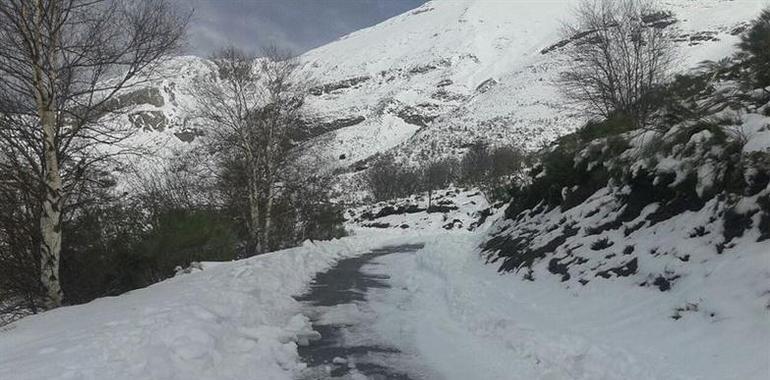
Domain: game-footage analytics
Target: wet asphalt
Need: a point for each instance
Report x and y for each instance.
(345, 283)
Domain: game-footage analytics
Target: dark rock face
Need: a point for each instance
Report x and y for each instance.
(658, 20)
(624, 270)
(149, 120)
(428, 67)
(145, 96)
(188, 135)
(698, 37)
(149, 95)
(414, 116)
(422, 69)
(486, 85)
(313, 129)
(447, 96)
(346, 83)
(421, 10)
(566, 41)
(740, 28)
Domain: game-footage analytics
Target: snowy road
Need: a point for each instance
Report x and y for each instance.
(436, 312)
(389, 314)
(440, 313)
(337, 302)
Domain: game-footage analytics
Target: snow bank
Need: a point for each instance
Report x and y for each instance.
(230, 321)
(467, 321)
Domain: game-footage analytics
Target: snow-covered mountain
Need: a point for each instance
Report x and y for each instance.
(439, 77)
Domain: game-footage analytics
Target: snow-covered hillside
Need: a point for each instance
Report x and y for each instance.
(450, 209)
(439, 77)
(677, 215)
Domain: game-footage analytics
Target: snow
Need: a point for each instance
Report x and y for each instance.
(228, 321)
(358, 143)
(448, 309)
(433, 60)
(462, 210)
(451, 315)
(467, 321)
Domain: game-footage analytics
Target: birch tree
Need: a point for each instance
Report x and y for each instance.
(62, 65)
(253, 109)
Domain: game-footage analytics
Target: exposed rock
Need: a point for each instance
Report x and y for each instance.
(740, 28)
(147, 95)
(486, 85)
(422, 69)
(447, 96)
(149, 120)
(624, 270)
(346, 83)
(413, 116)
(421, 10)
(188, 135)
(313, 129)
(566, 41)
(660, 19)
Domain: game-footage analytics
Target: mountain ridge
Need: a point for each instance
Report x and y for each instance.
(430, 82)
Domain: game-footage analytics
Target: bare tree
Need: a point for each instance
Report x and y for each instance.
(387, 179)
(63, 64)
(438, 174)
(621, 58)
(253, 107)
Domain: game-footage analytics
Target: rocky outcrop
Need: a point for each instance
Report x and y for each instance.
(486, 85)
(147, 95)
(312, 129)
(346, 83)
(417, 115)
(189, 135)
(149, 120)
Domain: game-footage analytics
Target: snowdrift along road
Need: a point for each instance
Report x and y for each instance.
(456, 316)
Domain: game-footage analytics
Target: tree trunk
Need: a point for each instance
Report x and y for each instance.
(50, 216)
(254, 213)
(53, 201)
(268, 217)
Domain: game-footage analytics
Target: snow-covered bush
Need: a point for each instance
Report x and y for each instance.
(597, 199)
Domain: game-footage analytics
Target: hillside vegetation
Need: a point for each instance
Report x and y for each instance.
(661, 204)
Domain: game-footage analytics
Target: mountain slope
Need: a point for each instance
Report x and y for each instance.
(433, 80)
(465, 70)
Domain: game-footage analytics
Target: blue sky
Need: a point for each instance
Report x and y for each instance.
(297, 25)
